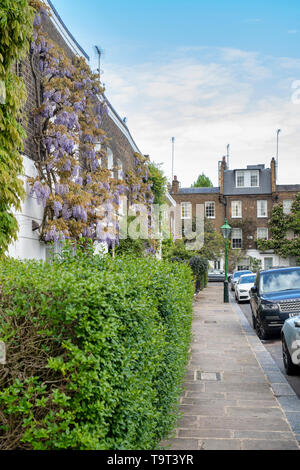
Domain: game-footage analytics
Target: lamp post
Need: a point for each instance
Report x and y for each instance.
(226, 229)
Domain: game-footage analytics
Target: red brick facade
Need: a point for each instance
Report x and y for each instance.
(250, 218)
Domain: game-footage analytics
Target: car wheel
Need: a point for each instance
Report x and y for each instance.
(260, 330)
(290, 367)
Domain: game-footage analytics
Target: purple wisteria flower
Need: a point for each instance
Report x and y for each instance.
(42, 193)
(79, 213)
(79, 180)
(89, 179)
(61, 189)
(57, 208)
(66, 212)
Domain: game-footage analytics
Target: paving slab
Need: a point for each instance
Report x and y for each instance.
(234, 397)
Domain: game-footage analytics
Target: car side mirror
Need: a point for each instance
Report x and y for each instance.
(297, 323)
(253, 290)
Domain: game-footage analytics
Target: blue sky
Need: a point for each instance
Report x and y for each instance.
(208, 72)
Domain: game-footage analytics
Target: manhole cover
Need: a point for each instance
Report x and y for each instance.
(213, 376)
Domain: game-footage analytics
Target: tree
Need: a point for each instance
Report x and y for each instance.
(159, 183)
(203, 181)
(255, 264)
(213, 247)
(16, 19)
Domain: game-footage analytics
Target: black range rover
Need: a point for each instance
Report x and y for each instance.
(274, 298)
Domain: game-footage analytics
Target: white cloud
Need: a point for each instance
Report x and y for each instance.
(208, 98)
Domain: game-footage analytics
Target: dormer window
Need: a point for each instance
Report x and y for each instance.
(240, 179)
(247, 179)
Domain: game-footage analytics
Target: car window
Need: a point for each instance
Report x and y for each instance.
(247, 280)
(238, 274)
(278, 281)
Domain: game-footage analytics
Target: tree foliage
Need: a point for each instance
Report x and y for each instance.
(16, 25)
(159, 183)
(203, 181)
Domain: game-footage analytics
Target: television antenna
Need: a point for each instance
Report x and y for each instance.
(99, 52)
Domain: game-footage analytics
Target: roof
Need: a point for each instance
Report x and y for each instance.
(265, 182)
(288, 187)
(199, 190)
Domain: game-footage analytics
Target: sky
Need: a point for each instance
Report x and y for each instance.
(209, 73)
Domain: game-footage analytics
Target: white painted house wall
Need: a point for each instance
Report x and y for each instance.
(28, 245)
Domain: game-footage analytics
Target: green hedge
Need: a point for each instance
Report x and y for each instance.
(96, 351)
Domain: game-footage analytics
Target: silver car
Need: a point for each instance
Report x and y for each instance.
(235, 277)
(290, 337)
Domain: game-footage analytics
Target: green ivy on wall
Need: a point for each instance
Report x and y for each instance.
(285, 230)
(16, 24)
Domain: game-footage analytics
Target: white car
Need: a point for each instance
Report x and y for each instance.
(243, 286)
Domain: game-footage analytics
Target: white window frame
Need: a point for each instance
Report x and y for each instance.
(237, 204)
(110, 161)
(235, 237)
(287, 208)
(254, 173)
(240, 174)
(247, 178)
(186, 210)
(207, 205)
(120, 170)
(262, 237)
(260, 213)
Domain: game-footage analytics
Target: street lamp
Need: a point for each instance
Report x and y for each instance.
(226, 229)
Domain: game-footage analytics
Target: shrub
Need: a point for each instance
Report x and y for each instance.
(96, 352)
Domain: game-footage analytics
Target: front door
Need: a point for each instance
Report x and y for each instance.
(268, 263)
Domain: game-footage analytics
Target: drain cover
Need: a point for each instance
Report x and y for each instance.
(209, 322)
(213, 376)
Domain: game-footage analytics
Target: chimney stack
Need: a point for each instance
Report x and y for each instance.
(222, 169)
(175, 185)
(273, 175)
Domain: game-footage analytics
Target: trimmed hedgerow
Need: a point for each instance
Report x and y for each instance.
(96, 352)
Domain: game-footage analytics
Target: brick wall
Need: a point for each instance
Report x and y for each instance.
(118, 144)
(249, 211)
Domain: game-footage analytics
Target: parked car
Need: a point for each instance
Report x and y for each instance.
(274, 298)
(290, 338)
(235, 277)
(216, 276)
(243, 286)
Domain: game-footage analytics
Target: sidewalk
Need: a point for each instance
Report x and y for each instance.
(228, 402)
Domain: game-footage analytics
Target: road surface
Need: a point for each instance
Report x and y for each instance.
(274, 347)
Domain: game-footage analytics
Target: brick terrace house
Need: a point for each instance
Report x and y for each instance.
(120, 152)
(246, 197)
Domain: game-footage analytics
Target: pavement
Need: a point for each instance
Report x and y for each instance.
(235, 397)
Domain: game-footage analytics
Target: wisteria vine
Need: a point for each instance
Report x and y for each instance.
(76, 189)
